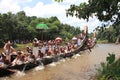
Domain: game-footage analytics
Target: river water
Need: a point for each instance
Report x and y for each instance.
(79, 67)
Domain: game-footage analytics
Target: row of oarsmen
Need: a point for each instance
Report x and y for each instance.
(20, 57)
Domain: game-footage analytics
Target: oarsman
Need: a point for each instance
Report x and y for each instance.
(9, 50)
(7, 47)
(20, 59)
(79, 41)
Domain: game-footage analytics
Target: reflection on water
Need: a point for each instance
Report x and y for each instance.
(79, 67)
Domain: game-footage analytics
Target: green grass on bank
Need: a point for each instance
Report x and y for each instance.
(19, 47)
(22, 46)
(102, 41)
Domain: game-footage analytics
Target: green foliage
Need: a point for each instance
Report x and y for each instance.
(21, 27)
(109, 70)
(105, 11)
(59, 0)
(14, 45)
(110, 34)
(1, 43)
(66, 39)
(111, 58)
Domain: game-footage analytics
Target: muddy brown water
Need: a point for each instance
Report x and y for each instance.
(79, 67)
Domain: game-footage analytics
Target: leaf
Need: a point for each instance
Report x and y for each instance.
(111, 58)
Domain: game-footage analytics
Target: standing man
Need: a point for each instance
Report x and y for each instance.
(35, 47)
(86, 31)
(87, 40)
(94, 39)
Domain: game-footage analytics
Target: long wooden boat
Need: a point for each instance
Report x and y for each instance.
(5, 72)
(22, 67)
(44, 61)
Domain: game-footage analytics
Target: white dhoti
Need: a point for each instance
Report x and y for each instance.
(35, 51)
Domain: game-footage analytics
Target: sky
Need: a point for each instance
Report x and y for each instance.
(48, 8)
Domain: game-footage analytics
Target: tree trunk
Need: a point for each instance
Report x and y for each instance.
(117, 41)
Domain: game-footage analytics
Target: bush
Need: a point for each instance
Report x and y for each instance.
(14, 45)
(109, 70)
(1, 43)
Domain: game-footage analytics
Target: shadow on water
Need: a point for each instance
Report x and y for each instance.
(79, 67)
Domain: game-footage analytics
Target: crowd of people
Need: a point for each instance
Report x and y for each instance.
(40, 49)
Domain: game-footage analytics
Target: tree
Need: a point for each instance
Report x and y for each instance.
(104, 10)
(21, 27)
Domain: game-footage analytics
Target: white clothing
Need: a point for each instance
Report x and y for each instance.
(36, 51)
(79, 42)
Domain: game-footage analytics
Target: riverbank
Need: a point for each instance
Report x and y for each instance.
(77, 68)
